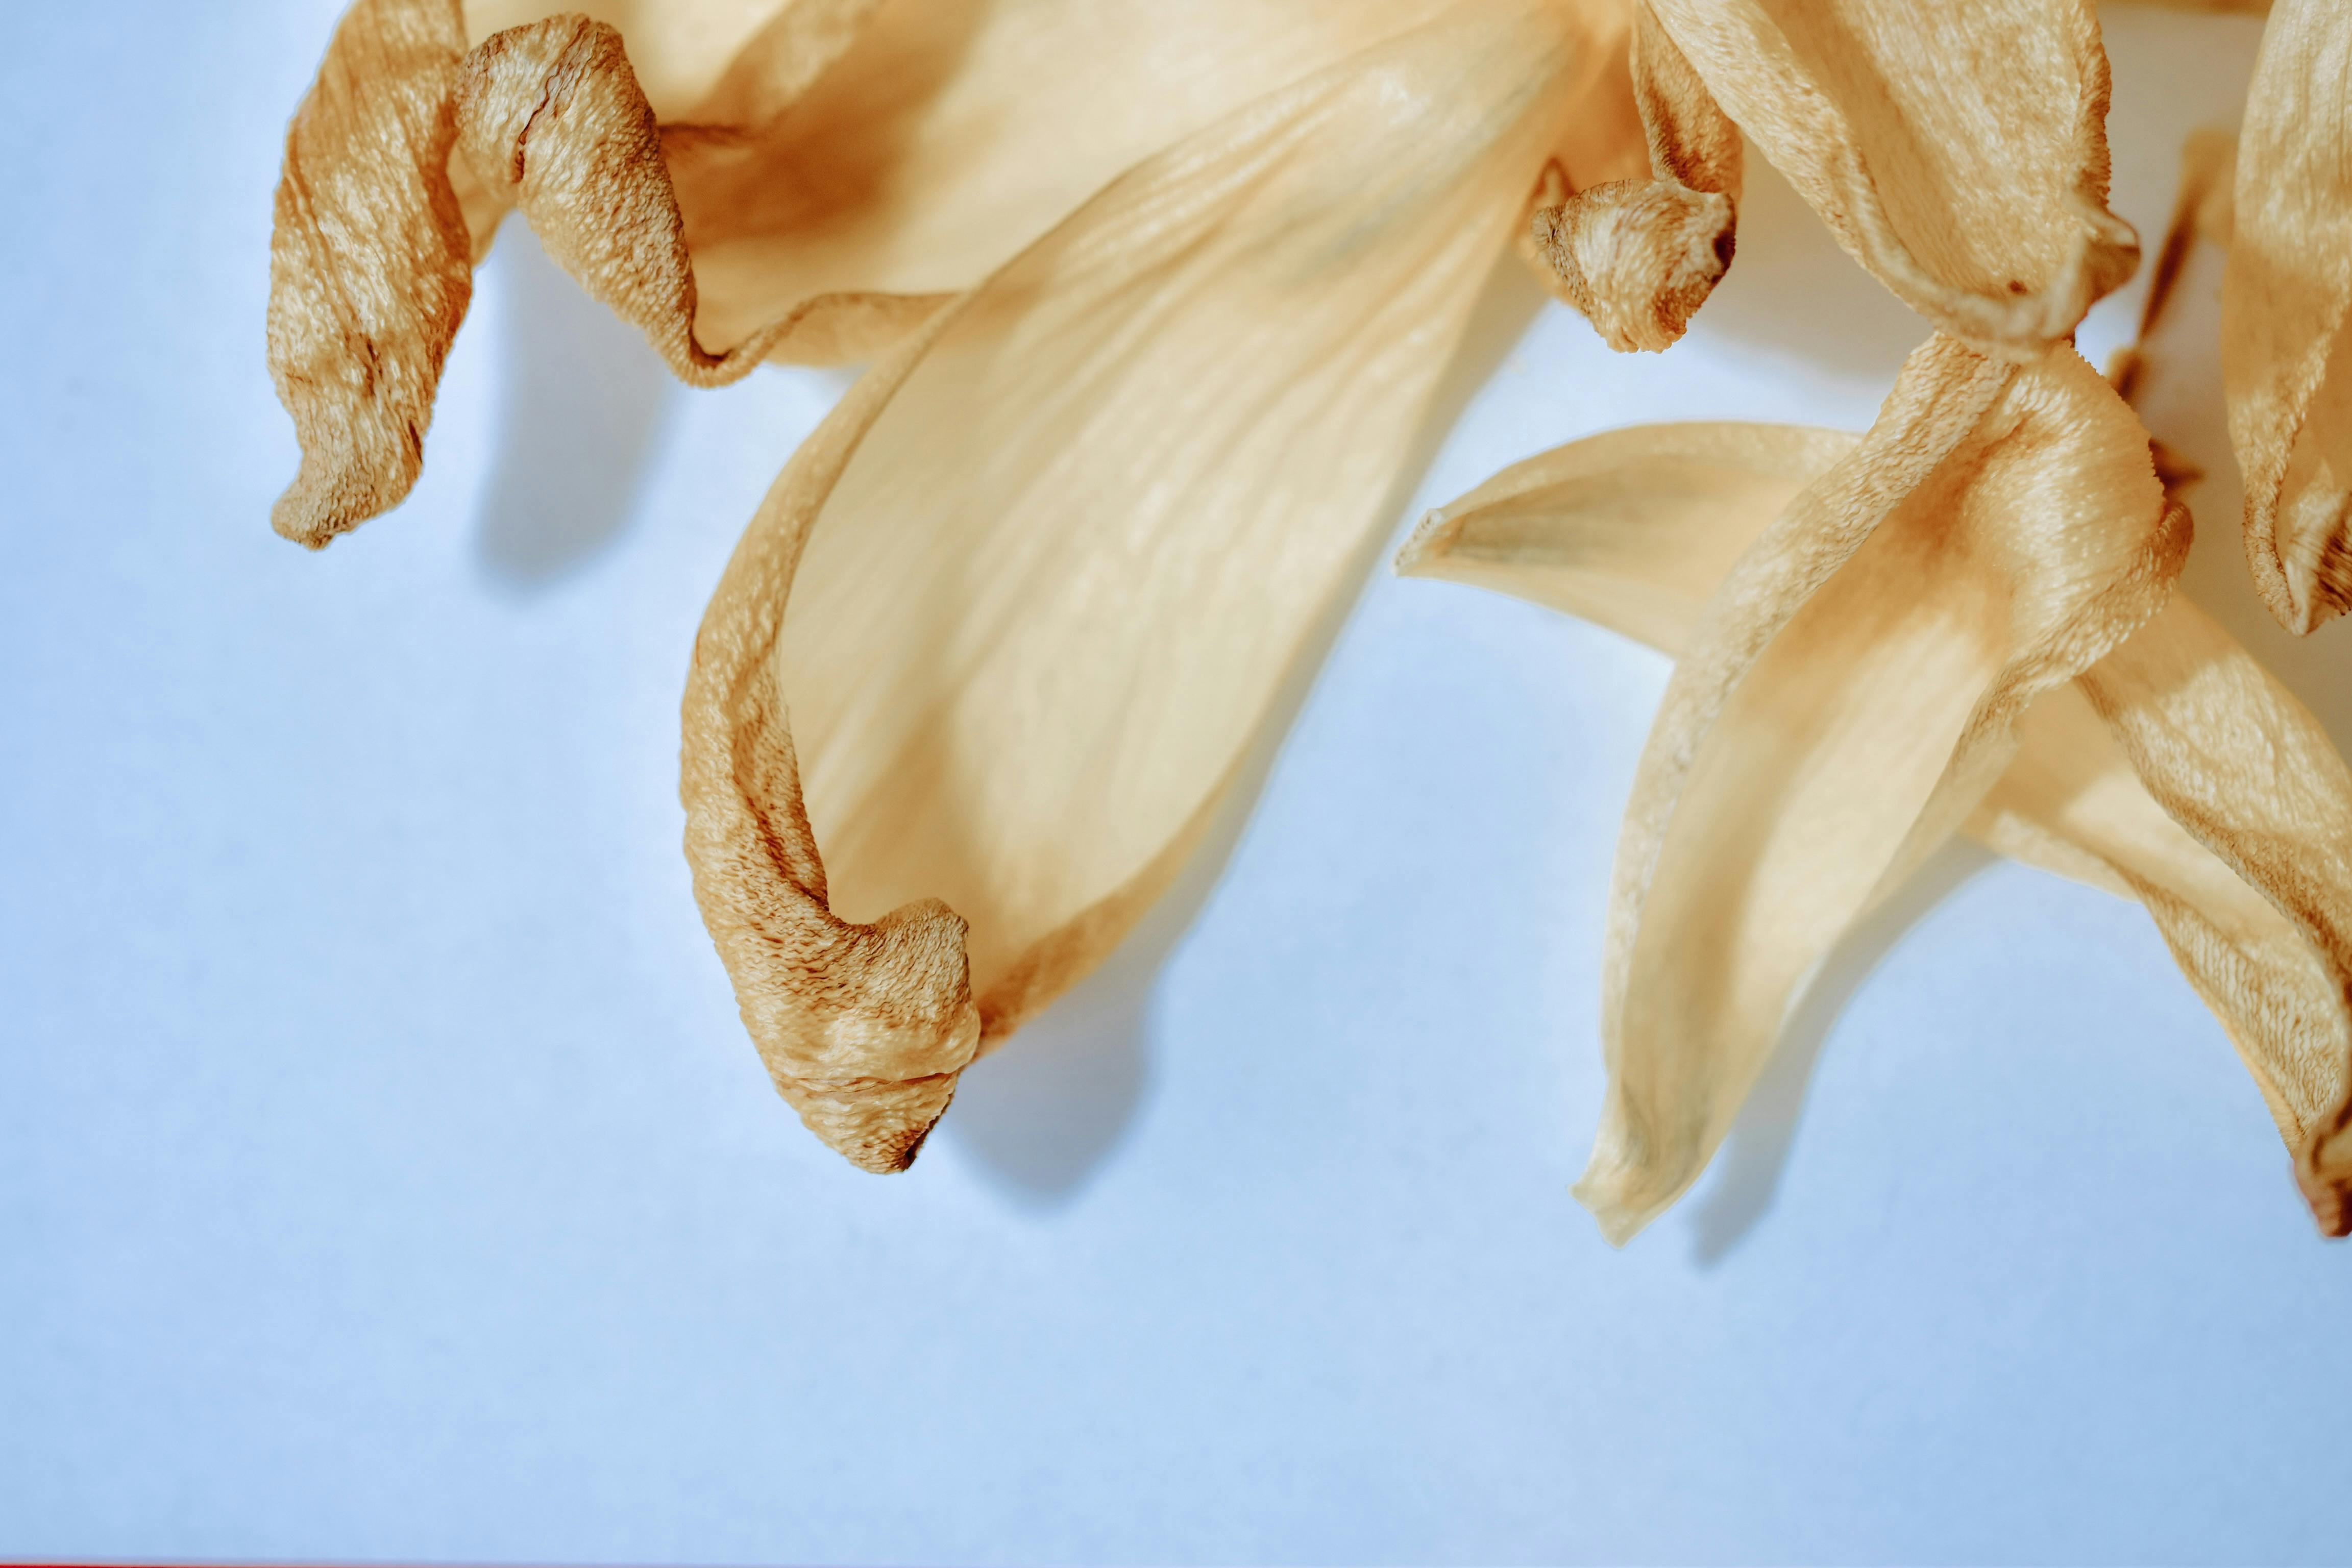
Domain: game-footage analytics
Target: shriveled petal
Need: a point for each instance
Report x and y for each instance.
(370, 265)
(1049, 566)
(1849, 700)
(551, 119)
(2286, 357)
(1956, 148)
(1634, 529)
(1639, 256)
(398, 165)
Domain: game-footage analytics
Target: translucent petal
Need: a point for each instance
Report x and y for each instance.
(1049, 565)
(1635, 529)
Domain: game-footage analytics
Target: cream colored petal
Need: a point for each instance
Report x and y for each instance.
(2251, 774)
(1638, 256)
(955, 132)
(1050, 567)
(1850, 697)
(1635, 529)
(369, 268)
(1956, 148)
(2286, 357)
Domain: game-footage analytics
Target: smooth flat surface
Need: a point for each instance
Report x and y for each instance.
(383, 1172)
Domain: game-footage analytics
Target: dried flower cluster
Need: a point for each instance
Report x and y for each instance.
(1153, 297)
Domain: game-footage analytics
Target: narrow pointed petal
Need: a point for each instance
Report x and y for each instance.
(370, 262)
(1635, 529)
(1639, 256)
(1956, 148)
(1850, 700)
(2286, 356)
(1049, 567)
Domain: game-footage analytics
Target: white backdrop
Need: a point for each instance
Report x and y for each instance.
(383, 1172)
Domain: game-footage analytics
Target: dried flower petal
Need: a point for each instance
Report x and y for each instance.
(1850, 698)
(369, 264)
(2284, 299)
(1639, 256)
(1956, 148)
(1049, 564)
(1635, 529)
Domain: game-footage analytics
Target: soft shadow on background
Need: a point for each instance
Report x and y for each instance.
(1047, 1110)
(1749, 1167)
(582, 405)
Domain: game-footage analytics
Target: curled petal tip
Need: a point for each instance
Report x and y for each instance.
(875, 1125)
(1638, 257)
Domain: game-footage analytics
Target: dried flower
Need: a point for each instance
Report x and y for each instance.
(1155, 297)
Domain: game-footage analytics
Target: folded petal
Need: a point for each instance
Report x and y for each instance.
(1049, 566)
(1850, 697)
(1634, 529)
(370, 262)
(1638, 256)
(2239, 763)
(2285, 294)
(1956, 148)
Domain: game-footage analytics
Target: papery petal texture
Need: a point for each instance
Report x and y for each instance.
(2286, 295)
(1005, 628)
(2228, 820)
(1956, 148)
(1849, 697)
(370, 262)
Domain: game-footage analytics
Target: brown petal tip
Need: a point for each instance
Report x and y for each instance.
(875, 1125)
(1638, 257)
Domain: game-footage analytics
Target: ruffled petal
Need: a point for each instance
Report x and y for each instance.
(2286, 357)
(370, 262)
(1956, 148)
(1635, 529)
(1638, 256)
(1049, 565)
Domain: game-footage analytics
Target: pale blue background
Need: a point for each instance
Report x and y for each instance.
(383, 1172)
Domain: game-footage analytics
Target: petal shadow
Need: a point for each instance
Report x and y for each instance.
(1754, 1156)
(584, 401)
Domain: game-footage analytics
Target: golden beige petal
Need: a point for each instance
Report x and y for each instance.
(1639, 256)
(1849, 698)
(2285, 299)
(951, 135)
(551, 119)
(1635, 529)
(1956, 148)
(1051, 566)
(2240, 764)
(369, 262)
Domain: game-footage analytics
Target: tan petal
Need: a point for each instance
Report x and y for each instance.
(1636, 528)
(2239, 763)
(2285, 299)
(1956, 148)
(1638, 256)
(369, 262)
(550, 119)
(1849, 699)
(1049, 567)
